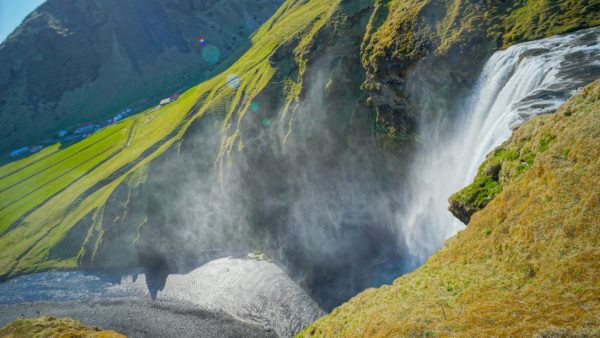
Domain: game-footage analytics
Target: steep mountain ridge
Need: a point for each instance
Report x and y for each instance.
(78, 181)
(77, 61)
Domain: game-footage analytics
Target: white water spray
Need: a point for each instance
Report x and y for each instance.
(515, 84)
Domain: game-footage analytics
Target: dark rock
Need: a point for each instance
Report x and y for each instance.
(461, 211)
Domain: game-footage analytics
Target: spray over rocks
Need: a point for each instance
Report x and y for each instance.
(312, 189)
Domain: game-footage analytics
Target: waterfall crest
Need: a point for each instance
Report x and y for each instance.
(515, 84)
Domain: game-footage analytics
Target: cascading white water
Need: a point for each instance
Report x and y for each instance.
(515, 84)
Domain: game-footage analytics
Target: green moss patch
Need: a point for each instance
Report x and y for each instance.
(505, 164)
(48, 326)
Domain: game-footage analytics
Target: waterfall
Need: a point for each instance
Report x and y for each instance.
(515, 84)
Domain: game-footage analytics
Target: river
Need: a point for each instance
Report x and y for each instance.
(245, 297)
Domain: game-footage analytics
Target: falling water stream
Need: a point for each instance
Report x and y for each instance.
(515, 84)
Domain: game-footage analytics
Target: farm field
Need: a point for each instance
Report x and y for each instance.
(41, 195)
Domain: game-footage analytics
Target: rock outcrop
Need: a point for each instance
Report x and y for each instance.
(417, 47)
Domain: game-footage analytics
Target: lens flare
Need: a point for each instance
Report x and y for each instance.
(254, 106)
(266, 122)
(202, 41)
(211, 54)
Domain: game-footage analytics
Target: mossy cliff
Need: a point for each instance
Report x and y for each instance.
(527, 263)
(53, 327)
(79, 219)
(422, 54)
(318, 127)
(386, 53)
(501, 167)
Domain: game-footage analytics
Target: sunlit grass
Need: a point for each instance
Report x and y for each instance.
(49, 192)
(412, 29)
(48, 326)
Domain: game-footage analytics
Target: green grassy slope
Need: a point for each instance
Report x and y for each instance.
(44, 196)
(40, 201)
(527, 264)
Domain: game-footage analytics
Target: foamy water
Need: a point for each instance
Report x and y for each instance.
(517, 83)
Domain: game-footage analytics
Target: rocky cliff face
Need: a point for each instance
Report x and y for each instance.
(415, 48)
(315, 152)
(75, 61)
(322, 148)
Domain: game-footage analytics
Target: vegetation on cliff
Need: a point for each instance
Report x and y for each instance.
(60, 193)
(67, 207)
(53, 327)
(453, 38)
(502, 166)
(528, 262)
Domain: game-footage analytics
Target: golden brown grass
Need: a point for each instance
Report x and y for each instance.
(527, 264)
(48, 326)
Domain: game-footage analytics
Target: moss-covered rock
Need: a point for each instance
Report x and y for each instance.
(453, 38)
(48, 326)
(529, 261)
(501, 166)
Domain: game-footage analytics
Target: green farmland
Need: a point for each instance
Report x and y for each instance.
(45, 195)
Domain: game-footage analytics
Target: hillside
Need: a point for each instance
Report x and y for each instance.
(80, 61)
(527, 263)
(48, 194)
(316, 114)
(51, 327)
